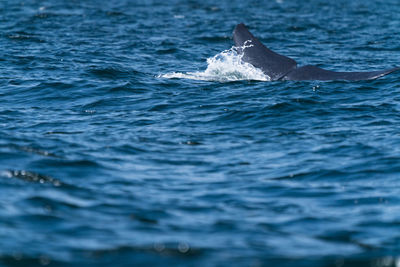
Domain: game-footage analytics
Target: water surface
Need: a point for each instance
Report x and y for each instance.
(121, 145)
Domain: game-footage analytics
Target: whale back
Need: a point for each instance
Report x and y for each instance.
(315, 73)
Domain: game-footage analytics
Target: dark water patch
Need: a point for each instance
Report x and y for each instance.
(379, 123)
(129, 88)
(191, 143)
(67, 163)
(24, 36)
(103, 103)
(62, 132)
(166, 51)
(33, 177)
(116, 14)
(363, 201)
(146, 220)
(91, 259)
(113, 72)
(51, 205)
(37, 151)
(23, 60)
(41, 218)
(19, 260)
(164, 250)
(129, 149)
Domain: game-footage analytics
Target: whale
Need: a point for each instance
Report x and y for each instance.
(281, 68)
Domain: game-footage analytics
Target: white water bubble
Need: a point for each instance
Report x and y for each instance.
(183, 247)
(226, 66)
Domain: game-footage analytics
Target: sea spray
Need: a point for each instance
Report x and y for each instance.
(226, 66)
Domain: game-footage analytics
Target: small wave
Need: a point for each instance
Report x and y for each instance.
(226, 66)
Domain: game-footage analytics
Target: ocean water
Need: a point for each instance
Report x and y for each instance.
(132, 134)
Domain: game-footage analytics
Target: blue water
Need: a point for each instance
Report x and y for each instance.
(121, 145)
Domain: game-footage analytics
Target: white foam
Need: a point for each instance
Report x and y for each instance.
(226, 66)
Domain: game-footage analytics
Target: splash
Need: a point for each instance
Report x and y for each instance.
(226, 66)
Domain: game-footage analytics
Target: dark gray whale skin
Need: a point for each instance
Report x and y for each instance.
(279, 67)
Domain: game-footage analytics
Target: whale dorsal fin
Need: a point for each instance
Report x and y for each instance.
(254, 52)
